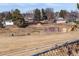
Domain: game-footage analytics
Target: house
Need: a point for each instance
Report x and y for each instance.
(77, 19)
(29, 17)
(7, 23)
(60, 20)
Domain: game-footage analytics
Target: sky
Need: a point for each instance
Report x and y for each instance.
(25, 7)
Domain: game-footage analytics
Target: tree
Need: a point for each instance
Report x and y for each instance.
(21, 23)
(2, 15)
(37, 15)
(77, 5)
(18, 18)
(43, 16)
(8, 16)
(1, 24)
(63, 13)
(16, 14)
(49, 13)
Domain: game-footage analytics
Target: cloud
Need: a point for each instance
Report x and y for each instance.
(32, 3)
(12, 4)
(29, 4)
(25, 4)
(4, 4)
(53, 4)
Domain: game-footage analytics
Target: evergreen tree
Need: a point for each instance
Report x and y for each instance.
(18, 18)
(37, 15)
(16, 15)
(43, 16)
(77, 5)
(63, 13)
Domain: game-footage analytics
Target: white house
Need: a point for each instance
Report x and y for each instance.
(77, 19)
(7, 23)
(60, 20)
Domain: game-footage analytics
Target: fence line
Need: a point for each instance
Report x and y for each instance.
(57, 47)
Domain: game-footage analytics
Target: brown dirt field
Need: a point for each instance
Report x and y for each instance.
(30, 44)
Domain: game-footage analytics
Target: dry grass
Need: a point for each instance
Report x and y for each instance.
(23, 44)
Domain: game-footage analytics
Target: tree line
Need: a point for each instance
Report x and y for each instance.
(39, 15)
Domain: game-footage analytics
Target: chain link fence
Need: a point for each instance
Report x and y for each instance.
(67, 49)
